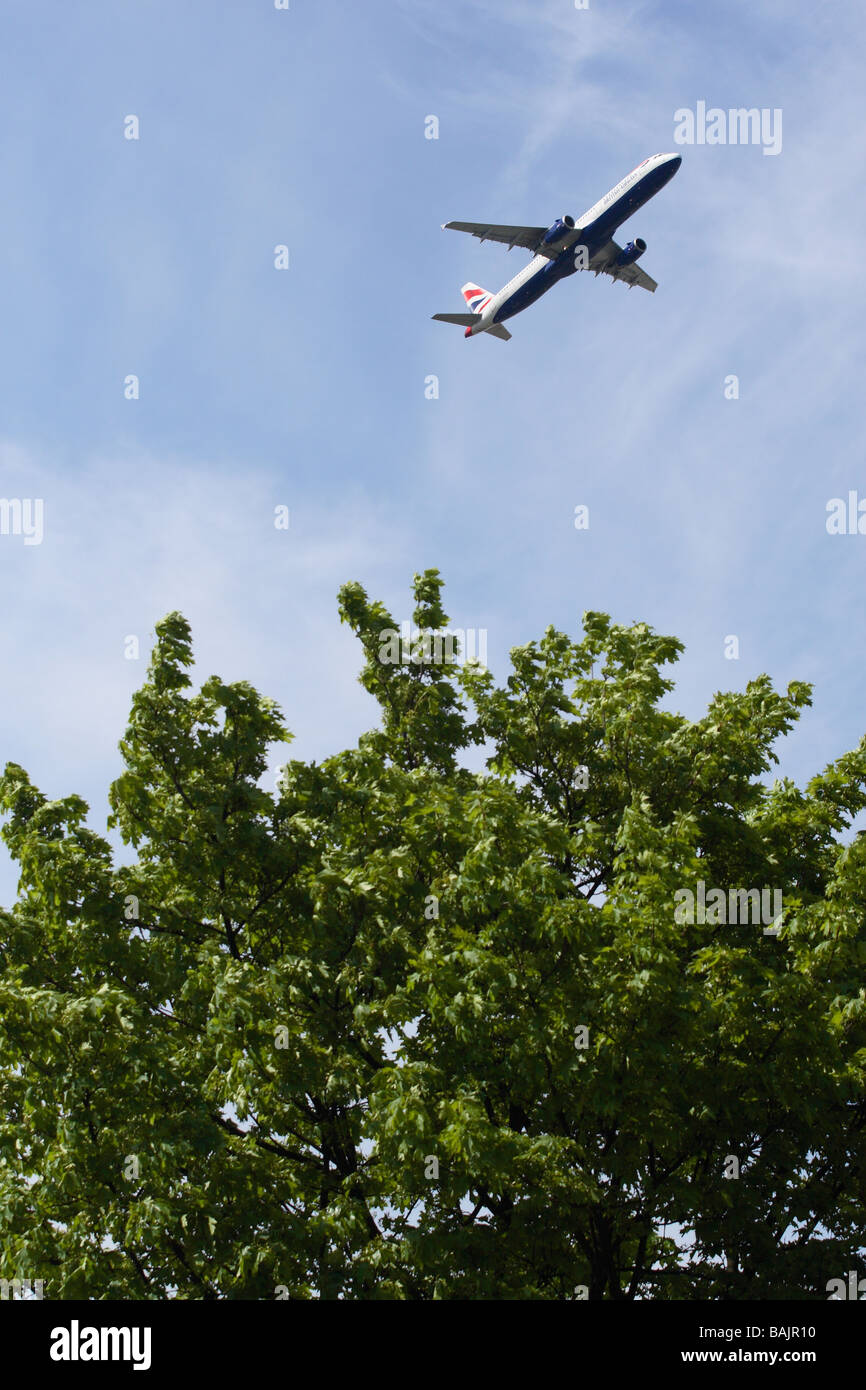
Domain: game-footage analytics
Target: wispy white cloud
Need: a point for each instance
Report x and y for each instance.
(131, 538)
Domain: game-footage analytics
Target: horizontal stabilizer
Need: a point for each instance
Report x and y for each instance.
(499, 331)
(465, 320)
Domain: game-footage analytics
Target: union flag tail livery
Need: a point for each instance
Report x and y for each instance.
(569, 245)
(476, 298)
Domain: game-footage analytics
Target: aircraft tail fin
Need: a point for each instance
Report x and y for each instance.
(476, 298)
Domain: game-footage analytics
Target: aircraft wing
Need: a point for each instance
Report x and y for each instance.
(604, 263)
(528, 237)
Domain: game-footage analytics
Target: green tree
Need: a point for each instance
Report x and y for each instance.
(406, 1031)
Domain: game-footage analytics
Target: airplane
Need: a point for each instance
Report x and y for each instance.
(561, 249)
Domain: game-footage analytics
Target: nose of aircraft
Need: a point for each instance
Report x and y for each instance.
(675, 160)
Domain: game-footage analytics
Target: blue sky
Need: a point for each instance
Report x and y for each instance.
(306, 387)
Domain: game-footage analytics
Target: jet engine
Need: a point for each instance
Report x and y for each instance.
(629, 254)
(559, 231)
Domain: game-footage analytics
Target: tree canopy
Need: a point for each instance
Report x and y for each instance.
(403, 1030)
